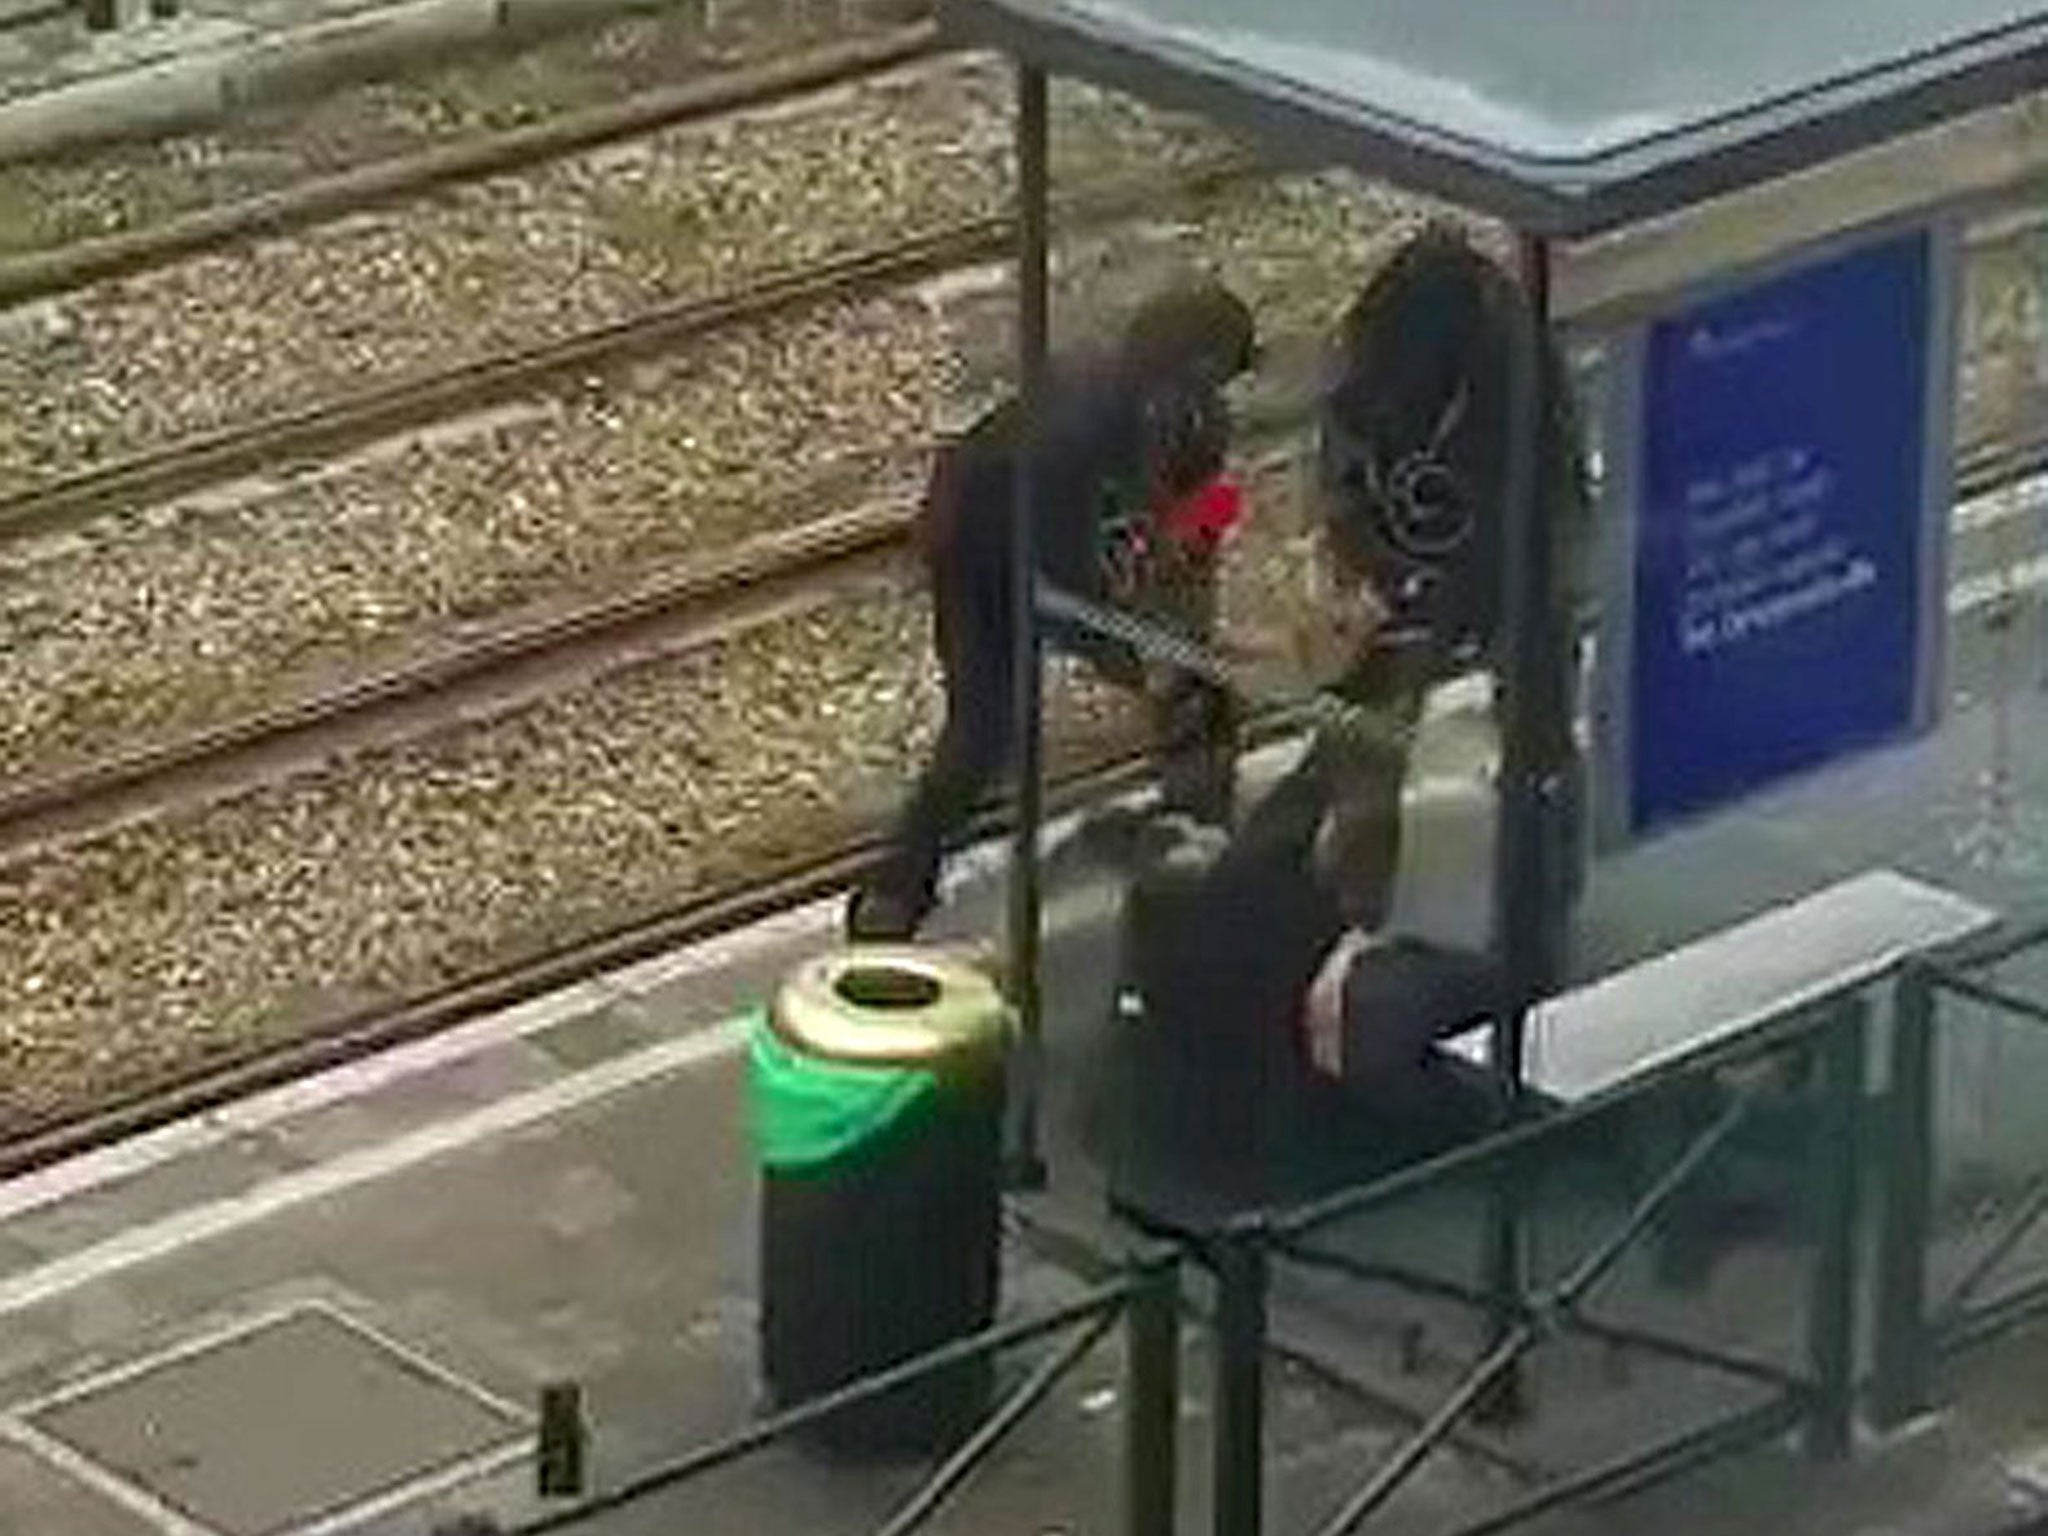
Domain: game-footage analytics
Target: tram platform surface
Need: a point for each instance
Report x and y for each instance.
(564, 1192)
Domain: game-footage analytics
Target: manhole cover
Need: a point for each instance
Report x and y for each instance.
(281, 1425)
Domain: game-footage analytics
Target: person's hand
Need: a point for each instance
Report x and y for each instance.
(1338, 618)
(1334, 618)
(1124, 562)
(1318, 639)
(1323, 1009)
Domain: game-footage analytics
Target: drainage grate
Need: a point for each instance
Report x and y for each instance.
(302, 1422)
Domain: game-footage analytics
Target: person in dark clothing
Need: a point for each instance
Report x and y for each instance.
(1125, 446)
(1287, 969)
(1414, 436)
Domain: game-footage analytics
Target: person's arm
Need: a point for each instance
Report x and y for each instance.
(1358, 847)
(1322, 626)
(1357, 850)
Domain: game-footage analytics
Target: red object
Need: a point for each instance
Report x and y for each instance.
(1209, 513)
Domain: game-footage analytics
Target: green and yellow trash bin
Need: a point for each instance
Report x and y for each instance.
(877, 1080)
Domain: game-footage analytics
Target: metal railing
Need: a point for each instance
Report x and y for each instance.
(1828, 1035)
(1916, 1328)
(1145, 1298)
(1817, 1392)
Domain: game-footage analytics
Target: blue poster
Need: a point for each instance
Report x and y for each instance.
(1779, 529)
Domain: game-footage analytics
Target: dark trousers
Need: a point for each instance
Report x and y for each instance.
(1221, 956)
(1195, 727)
(1400, 998)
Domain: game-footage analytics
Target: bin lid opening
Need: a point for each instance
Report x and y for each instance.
(883, 986)
(890, 1006)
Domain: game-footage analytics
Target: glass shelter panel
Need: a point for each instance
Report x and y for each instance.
(1891, 725)
(1569, 116)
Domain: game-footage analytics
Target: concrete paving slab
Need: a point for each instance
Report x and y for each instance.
(294, 1419)
(410, 1104)
(612, 1031)
(212, 1173)
(39, 1499)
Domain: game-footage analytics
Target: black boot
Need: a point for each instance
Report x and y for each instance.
(885, 910)
(1201, 785)
(1198, 731)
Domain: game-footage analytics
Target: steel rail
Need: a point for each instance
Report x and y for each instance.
(366, 1031)
(47, 274)
(678, 608)
(156, 475)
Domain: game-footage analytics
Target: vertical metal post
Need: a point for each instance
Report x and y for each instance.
(1836, 1160)
(1027, 1168)
(1152, 1403)
(1902, 1365)
(1528, 922)
(559, 1464)
(1528, 917)
(1240, 1391)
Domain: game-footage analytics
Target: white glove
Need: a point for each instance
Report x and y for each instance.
(1323, 1009)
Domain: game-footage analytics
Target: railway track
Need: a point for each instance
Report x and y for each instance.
(378, 1028)
(508, 659)
(514, 663)
(690, 609)
(44, 274)
(331, 427)
(40, 15)
(154, 476)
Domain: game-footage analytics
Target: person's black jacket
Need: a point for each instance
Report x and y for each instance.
(1092, 480)
(1118, 430)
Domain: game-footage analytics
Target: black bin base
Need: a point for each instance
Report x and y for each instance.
(887, 1254)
